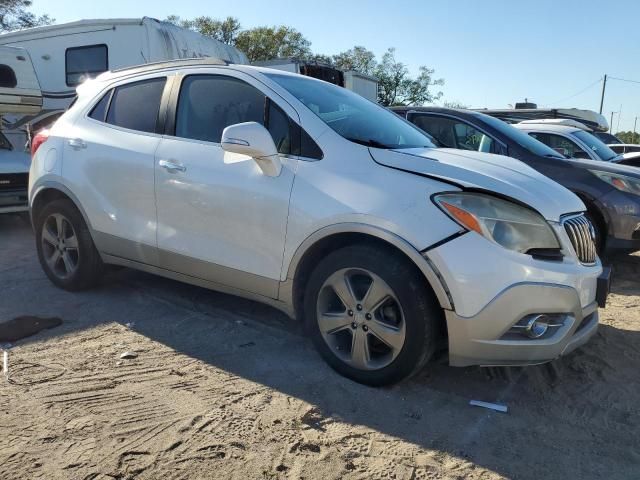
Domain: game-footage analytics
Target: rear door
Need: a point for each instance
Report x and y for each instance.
(109, 163)
(219, 217)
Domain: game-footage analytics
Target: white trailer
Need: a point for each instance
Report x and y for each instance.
(64, 55)
(19, 87)
(359, 83)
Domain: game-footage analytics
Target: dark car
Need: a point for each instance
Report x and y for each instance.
(610, 192)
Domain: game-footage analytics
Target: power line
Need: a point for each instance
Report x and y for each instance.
(624, 80)
(576, 94)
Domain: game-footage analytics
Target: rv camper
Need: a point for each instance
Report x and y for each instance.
(19, 87)
(593, 120)
(359, 83)
(64, 55)
(19, 94)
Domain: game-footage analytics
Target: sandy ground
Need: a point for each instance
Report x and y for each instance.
(226, 388)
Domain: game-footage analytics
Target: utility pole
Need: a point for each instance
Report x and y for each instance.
(634, 130)
(604, 85)
(611, 123)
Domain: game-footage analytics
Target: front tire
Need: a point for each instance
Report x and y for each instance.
(65, 248)
(371, 314)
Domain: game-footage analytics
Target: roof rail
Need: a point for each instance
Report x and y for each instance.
(183, 62)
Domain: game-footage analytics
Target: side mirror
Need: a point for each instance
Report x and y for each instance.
(252, 139)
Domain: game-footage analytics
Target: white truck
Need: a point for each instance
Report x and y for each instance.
(364, 85)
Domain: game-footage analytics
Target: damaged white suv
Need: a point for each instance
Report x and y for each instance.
(301, 194)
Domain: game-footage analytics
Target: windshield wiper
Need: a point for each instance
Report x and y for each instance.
(368, 143)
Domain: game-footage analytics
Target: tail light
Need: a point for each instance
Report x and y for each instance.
(38, 140)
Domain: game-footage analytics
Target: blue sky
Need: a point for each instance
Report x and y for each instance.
(490, 53)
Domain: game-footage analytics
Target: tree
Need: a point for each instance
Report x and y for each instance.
(396, 87)
(14, 16)
(454, 104)
(225, 30)
(628, 137)
(357, 58)
(265, 43)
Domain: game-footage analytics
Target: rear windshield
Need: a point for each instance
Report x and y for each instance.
(525, 141)
(352, 116)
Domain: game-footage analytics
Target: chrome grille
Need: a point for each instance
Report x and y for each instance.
(582, 236)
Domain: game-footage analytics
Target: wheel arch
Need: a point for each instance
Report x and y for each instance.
(337, 236)
(598, 213)
(47, 192)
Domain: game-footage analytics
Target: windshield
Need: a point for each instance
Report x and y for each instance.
(352, 116)
(607, 137)
(525, 141)
(600, 149)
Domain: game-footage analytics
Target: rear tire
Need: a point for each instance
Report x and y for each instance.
(371, 314)
(65, 248)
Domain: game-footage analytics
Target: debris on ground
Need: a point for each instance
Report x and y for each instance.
(491, 406)
(25, 326)
(128, 355)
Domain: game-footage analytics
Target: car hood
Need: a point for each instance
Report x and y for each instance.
(14, 162)
(484, 171)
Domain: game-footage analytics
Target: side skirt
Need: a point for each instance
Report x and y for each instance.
(200, 282)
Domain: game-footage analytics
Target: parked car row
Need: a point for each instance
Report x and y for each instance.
(610, 191)
(389, 241)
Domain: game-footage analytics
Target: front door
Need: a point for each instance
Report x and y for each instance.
(219, 217)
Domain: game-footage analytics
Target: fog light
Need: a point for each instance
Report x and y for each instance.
(537, 326)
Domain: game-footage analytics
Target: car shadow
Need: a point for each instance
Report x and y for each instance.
(576, 417)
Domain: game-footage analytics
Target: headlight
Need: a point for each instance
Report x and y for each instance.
(513, 226)
(621, 182)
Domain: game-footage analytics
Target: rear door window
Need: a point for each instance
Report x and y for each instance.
(560, 144)
(85, 62)
(453, 133)
(136, 105)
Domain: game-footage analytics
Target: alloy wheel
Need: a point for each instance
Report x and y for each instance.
(360, 319)
(60, 245)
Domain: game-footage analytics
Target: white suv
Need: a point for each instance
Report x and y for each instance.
(301, 194)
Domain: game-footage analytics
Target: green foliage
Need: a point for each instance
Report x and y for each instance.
(14, 16)
(454, 104)
(628, 137)
(265, 43)
(396, 85)
(357, 58)
(225, 30)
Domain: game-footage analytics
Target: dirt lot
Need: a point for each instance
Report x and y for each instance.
(226, 388)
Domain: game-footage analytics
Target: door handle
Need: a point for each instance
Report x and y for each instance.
(77, 143)
(171, 166)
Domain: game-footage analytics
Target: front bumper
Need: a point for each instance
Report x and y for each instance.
(12, 201)
(494, 290)
(485, 338)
